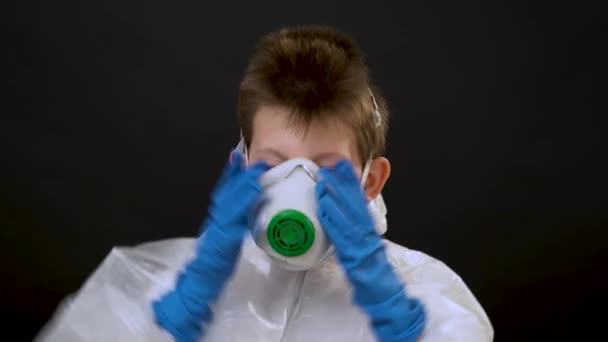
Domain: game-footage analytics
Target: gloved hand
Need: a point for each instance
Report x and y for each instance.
(184, 311)
(377, 289)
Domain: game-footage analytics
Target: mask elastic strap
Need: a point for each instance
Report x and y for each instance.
(376, 112)
(377, 121)
(365, 173)
(242, 148)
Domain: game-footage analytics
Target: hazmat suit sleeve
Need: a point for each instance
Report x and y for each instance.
(114, 303)
(454, 313)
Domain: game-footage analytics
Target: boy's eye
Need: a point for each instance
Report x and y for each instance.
(271, 162)
(327, 162)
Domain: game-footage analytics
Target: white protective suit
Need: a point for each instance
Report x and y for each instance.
(261, 302)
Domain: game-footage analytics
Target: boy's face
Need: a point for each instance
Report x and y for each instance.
(325, 143)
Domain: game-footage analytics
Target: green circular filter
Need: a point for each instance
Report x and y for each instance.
(290, 233)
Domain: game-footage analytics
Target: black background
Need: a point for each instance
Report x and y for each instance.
(119, 116)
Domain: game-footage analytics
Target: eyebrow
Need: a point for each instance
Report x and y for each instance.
(283, 157)
(274, 153)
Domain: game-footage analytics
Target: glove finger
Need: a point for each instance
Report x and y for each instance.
(247, 202)
(232, 167)
(251, 175)
(332, 188)
(352, 194)
(230, 191)
(232, 207)
(332, 218)
(255, 209)
(346, 172)
(257, 167)
(246, 190)
(322, 189)
(342, 191)
(349, 199)
(257, 170)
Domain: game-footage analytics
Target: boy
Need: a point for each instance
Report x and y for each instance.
(305, 182)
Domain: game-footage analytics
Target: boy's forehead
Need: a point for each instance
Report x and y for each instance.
(272, 128)
(275, 121)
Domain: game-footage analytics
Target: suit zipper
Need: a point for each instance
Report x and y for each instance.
(296, 305)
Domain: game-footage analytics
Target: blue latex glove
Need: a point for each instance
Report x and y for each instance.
(184, 311)
(377, 289)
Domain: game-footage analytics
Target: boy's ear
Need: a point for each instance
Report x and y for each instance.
(379, 171)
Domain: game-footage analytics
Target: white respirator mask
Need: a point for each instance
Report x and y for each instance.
(285, 225)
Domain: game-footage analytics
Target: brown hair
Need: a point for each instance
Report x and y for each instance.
(316, 73)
